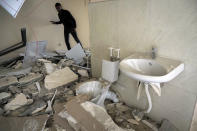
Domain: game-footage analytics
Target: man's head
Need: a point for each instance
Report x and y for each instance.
(58, 7)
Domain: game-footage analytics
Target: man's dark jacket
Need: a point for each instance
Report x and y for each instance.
(67, 20)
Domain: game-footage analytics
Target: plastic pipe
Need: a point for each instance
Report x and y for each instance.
(148, 97)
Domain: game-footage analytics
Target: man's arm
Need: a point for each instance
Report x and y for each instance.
(56, 22)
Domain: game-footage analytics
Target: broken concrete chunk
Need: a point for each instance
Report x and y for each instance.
(19, 101)
(71, 120)
(18, 65)
(138, 115)
(122, 107)
(14, 89)
(59, 128)
(167, 126)
(31, 90)
(64, 63)
(43, 61)
(101, 116)
(118, 119)
(153, 127)
(132, 121)
(83, 73)
(59, 78)
(18, 72)
(110, 106)
(8, 81)
(4, 95)
(50, 67)
(34, 123)
(30, 78)
(36, 107)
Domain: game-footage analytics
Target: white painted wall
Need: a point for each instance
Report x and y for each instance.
(135, 26)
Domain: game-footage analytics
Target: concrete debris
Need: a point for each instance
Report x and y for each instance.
(50, 102)
(18, 65)
(83, 73)
(33, 77)
(132, 121)
(118, 119)
(59, 128)
(71, 120)
(22, 95)
(122, 116)
(101, 116)
(19, 101)
(8, 81)
(36, 107)
(43, 61)
(50, 67)
(61, 52)
(138, 115)
(153, 127)
(167, 126)
(64, 63)
(18, 72)
(4, 97)
(122, 107)
(22, 123)
(59, 78)
(14, 89)
(31, 90)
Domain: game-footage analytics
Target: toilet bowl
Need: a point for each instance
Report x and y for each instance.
(96, 89)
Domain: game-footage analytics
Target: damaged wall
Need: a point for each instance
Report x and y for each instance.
(133, 25)
(35, 16)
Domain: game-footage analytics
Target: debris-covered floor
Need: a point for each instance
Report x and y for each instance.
(42, 97)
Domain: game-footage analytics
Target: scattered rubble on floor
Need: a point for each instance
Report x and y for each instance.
(7, 81)
(83, 73)
(23, 123)
(36, 107)
(123, 116)
(50, 67)
(17, 102)
(45, 96)
(4, 96)
(30, 79)
(99, 114)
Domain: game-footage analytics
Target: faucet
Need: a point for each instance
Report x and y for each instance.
(153, 53)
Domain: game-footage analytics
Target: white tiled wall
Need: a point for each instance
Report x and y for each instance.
(136, 26)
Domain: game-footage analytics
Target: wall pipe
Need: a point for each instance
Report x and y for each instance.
(16, 46)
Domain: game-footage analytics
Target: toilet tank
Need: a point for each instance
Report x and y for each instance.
(110, 70)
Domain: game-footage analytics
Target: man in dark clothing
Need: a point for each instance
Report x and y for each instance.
(69, 24)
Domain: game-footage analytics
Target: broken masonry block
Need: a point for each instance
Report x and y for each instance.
(59, 78)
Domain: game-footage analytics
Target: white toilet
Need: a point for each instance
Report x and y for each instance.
(94, 88)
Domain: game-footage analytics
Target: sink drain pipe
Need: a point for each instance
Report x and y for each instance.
(148, 97)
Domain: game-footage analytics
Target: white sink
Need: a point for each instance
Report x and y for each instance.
(142, 68)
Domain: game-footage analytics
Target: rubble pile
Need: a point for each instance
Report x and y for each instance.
(27, 91)
(43, 97)
(125, 117)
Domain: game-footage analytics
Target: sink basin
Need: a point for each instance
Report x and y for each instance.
(142, 68)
